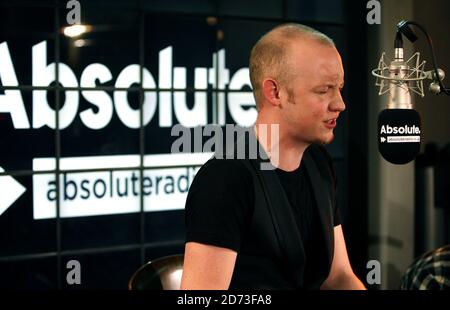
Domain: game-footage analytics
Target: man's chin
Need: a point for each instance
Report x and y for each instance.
(325, 140)
(321, 140)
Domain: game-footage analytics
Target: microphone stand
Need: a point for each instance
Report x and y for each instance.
(403, 28)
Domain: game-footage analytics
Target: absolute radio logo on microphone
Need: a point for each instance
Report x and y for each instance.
(412, 134)
(403, 134)
(400, 130)
(399, 135)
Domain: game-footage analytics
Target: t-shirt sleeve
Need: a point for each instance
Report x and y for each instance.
(219, 204)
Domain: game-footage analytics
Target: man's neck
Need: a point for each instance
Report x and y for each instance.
(284, 153)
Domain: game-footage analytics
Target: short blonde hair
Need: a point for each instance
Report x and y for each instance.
(269, 55)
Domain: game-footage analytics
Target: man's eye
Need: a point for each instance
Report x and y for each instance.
(322, 91)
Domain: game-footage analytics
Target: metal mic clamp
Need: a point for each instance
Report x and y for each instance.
(434, 86)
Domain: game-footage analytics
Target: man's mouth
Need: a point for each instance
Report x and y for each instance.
(331, 123)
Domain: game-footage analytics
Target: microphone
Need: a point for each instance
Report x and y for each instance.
(399, 125)
(399, 135)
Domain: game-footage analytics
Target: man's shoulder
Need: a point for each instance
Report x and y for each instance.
(231, 165)
(224, 171)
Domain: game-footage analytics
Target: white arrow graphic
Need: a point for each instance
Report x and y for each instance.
(382, 139)
(10, 191)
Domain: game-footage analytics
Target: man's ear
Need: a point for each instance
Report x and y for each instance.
(271, 91)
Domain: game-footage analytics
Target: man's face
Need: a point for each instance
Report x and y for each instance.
(313, 101)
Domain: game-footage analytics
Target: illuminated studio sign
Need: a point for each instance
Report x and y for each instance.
(116, 192)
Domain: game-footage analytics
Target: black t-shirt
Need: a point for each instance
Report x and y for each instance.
(220, 203)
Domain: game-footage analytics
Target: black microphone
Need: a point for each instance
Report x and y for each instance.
(399, 135)
(399, 125)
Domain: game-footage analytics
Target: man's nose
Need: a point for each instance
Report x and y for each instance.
(338, 103)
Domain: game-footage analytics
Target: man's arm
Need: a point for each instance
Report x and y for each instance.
(207, 267)
(341, 275)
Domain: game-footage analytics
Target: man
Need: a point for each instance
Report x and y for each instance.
(238, 234)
